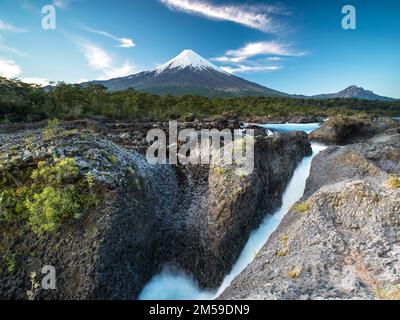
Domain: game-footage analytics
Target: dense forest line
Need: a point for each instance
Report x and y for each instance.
(24, 102)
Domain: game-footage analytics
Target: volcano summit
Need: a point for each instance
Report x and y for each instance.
(189, 73)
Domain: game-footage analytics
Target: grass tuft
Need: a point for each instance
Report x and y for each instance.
(302, 207)
(295, 272)
(393, 182)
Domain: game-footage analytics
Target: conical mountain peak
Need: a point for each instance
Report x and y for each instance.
(187, 59)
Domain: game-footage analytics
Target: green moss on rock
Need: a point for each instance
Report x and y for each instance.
(50, 194)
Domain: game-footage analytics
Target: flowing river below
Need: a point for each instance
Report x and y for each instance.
(173, 285)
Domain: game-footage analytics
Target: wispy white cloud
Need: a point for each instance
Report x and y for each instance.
(250, 50)
(257, 57)
(10, 50)
(4, 26)
(7, 27)
(99, 59)
(9, 69)
(258, 17)
(39, 81)
(251, 69)
(274, 58)
(123, 42)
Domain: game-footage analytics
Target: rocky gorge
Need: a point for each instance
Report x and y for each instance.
(339, 242)
(195, 217)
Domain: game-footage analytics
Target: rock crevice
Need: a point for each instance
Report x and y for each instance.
(194, 217)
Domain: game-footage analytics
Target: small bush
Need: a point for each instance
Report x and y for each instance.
(53, 193)
(8, 200)
(113, 159)
(393, 182)
(132, 170)
(32, 293)
(89, 179)
(219, 171)
(295, 272)
(51, 131)
(282, 252)
(10, 261)
(302, 207)
(50, 207)
(284, 246)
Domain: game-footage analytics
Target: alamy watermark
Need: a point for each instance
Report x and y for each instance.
(214, 147)
(49, 21)
(349, 21)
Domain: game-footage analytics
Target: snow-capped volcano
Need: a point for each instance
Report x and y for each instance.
(187, 59)
(189, 73)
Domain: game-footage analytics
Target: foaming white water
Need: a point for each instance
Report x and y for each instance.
(286, 127)
(259, 237)
(170, 285)
(271, 128)
(173, 286)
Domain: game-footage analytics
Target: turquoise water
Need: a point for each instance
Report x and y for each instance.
(172, 285)
(396, 118)
(286, 127)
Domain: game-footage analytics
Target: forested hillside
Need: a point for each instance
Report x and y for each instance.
(23, 102)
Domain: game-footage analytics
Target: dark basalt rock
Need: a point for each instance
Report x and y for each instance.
(110, 252)
(216, 211)
(196, 218)
(348, 130)
(258, 131)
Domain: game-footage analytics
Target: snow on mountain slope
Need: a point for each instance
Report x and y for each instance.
(187, 59)
(189, 73)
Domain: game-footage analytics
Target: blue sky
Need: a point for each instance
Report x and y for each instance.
(295, 46)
